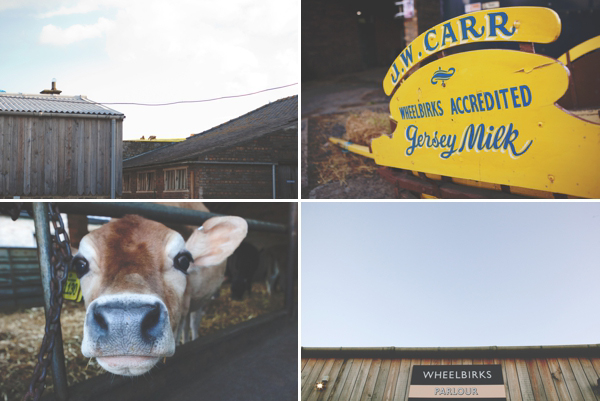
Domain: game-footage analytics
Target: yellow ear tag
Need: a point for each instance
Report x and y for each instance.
(72, 288)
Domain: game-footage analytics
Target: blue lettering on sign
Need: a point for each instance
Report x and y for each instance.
(442, 75)
(496, 100)
(428, 48)
(422, 110)
(470, 28)
(502, 139)
(406, 56)
(501, 26)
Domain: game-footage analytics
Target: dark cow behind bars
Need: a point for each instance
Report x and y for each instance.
(241, 267)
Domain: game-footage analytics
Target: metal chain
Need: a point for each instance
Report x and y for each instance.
(60, 259)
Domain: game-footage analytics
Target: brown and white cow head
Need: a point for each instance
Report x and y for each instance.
(133, 279)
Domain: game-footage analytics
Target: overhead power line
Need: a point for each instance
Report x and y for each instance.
(198, 101)
(170, 103)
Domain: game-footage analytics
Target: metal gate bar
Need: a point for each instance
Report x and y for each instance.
(42, 236)
(160, 213)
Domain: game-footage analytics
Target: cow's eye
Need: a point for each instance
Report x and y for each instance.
(80, 266)
(183, 260)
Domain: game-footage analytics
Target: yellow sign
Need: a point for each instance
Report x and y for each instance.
(72, 288)
(516, 24)
(581, 49)
(490, 116)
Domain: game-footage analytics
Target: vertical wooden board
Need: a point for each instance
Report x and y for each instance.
(382, 378)
(456, 361)
(372, 377)
(524, 381)
(60, 158)
(88, 156)
(107, 145)
(55, 153)
(392, 380)
(539, 392)
(467, 362)
(558, 379)
(504, 375)
(350, 381)
(436, 361)
(68, 174)
(94, 157)
(426, 362)
(338, 385)
(333, 373)
(477, 361)
(40, 132)
(119, 172)
(403, 381)
(27, 155)
(589, 370)
(513, 380)
(2, 165)
(305, 394)
(47, 156)
(303, 362)
(596, 364)
(20, 153)
(581, 379)
(570, 380)
(102, 155)
(312, 378)
(361, 380)
(80, 151)
(306, 371)
(13, 130)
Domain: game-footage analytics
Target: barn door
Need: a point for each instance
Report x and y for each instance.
(287, 182)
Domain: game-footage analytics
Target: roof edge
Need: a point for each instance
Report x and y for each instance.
(587, 350)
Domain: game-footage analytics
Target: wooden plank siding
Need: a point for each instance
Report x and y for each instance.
(525, 378)
(57, 156)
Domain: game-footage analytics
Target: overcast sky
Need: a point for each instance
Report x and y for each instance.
(450, 274)
(153, 51)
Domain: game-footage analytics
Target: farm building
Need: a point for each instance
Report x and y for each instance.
(252, 156)
(59, 146)
(419, 374)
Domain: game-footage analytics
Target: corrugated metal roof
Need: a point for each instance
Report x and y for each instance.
(16, 102)
(264, 120)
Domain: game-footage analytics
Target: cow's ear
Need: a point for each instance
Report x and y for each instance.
(216, 240)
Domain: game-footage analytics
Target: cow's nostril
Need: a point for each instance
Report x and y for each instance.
(151, 319)
(100, 320)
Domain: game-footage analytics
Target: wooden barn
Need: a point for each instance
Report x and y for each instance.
(59, 146)
(252, 156)
(539, 373)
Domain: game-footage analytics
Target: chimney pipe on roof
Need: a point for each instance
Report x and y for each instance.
(52, 91)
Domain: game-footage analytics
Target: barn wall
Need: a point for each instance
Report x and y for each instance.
(525, 379)
(57, 156)
(210, 181)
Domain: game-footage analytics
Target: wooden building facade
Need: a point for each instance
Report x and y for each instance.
(59, 146)
(254, 156)
(544, 373)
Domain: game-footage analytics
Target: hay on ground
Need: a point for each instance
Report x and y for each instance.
(362, 127)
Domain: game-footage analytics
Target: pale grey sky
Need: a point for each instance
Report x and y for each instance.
(429, 274)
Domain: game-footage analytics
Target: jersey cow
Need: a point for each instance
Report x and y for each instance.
(137, 279)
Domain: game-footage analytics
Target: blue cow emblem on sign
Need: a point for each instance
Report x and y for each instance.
(442, 75)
